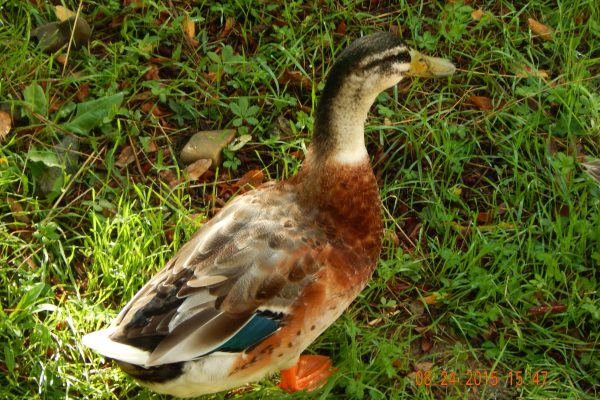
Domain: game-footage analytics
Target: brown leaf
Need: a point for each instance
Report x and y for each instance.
(251, 179)
(198, 168)
(541, 310)
(125, 157)
(229, 24)
(341, 28)
(423, 366)
(543, 31)
(18, 212)
(391, 236)
(189, 30)
(5, 124)
(153, 108)
(482, 102)
(477, 14)
(295, 78)
(484, 217)
(152, 147)
(426, 344)
(431, 299)
(170, 177)
(525, 71)
(62, 59)
(152, 74)
(82, 92)
(213, 76)
(146, 108)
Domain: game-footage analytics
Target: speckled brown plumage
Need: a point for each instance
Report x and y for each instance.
(246, 295)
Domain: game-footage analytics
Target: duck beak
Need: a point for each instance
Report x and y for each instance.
(429, 67)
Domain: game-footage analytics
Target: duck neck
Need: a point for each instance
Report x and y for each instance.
(339, 133)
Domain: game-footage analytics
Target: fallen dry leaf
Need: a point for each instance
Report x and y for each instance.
(543, 31)
(423, 366)
(525, 71)
(391, 236)
(426, 344)
(125, 157)
(63, 13)
(477, 14)
(17, 210)
(152, 147)
(482, 102)
(62, 59)
(82, 92)
(5, 124)
(169, 176)
(484, 217)
(153, 108)
(229, 24)
(541, 310)
(431, 299)
(189, 29)
(341, 28)
(152, 74)
(198, 168)
(252, 179)
(295, 79)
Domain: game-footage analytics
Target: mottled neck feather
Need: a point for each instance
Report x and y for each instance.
(340, 119)
(366, 68)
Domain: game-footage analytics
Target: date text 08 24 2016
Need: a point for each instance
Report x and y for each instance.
(477, 377)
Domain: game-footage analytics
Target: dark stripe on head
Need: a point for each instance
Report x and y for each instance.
(401, 57)
(347, 64)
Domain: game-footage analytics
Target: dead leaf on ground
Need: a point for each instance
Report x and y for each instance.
(153, 108)
(477, 14)
(126, 157)
(5, 124)
(295, 79)
(189, 29)
(341, 28)
(482, 102)
(525, 71)
(541, 310)
(198, 168)
(423, 366)
(229, 24)
(170, 177)
(484, 217)
(63, 13)
(543, 31)
(17, 210)
(431, 299)
(152, 74)
(82, 92)
(252, 178)
(391, 236)
(426, 344)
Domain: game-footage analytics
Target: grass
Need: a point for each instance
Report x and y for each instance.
(490, 264)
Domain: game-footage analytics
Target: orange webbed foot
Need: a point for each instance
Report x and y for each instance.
(309, 373)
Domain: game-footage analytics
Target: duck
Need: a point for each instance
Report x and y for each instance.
(276, 266)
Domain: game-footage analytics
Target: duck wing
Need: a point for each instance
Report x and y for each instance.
(226, 289)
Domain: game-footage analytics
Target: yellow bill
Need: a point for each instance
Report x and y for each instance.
(429, 67)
